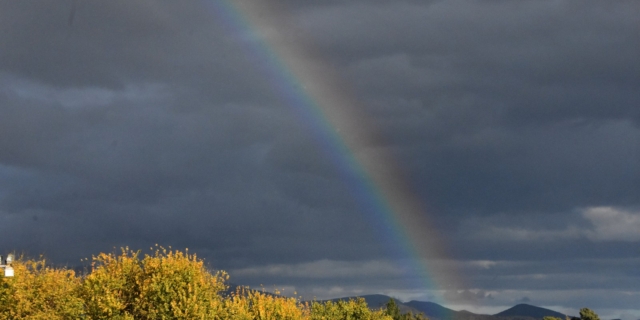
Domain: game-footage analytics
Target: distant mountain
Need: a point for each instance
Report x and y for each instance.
(432, 310)
(435, 311)
(527, 310)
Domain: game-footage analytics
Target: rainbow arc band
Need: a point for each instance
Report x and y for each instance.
(336, 118)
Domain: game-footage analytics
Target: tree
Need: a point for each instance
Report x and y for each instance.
(393, 310)
(166, 285)
(344, 310)
(588, 314)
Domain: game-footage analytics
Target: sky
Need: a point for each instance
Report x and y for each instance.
(268, 137)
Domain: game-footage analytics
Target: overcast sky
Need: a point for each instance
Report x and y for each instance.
(515, 124)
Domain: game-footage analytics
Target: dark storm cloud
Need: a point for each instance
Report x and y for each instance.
(111, 44)
(134, 123)
(140, 123)
(514, 106)
(519, 114)
(133, 170)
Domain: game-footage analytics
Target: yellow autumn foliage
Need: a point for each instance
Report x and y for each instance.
(167, 284)
(247, 304)
(38, 291)
(345, 310)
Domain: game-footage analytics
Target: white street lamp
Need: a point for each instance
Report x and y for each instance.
(8, 270)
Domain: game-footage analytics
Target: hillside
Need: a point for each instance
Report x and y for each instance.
(435, 311)
(432, 310)
(527, 310)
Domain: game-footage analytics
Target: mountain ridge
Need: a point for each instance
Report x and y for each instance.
(435, 311)
(531, 311)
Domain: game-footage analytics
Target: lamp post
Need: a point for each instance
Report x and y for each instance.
(8, 270)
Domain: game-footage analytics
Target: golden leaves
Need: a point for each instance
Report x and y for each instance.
(167, 284)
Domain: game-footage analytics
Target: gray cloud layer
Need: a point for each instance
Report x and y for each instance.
(134, 123)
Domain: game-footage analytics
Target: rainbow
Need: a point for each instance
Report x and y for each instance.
(318, 96)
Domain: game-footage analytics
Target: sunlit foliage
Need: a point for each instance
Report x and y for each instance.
(166, 284)
(345, 310)
(252, 304)
(39, 291)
